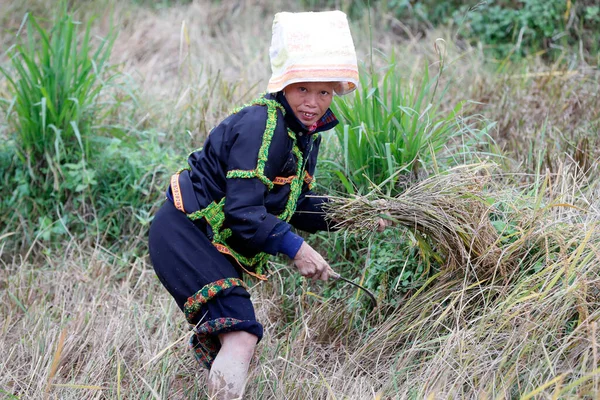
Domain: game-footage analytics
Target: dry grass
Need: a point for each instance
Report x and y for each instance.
(78, 322)
(83, 323)
(450, 209)
(544, 113)
(469, 335)
(195, 63)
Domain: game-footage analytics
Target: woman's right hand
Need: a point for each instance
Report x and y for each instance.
(311, 264)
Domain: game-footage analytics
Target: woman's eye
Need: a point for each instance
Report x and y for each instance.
(302, 89)
(324, 92)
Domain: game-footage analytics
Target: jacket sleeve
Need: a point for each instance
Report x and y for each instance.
(309, 215)
(247, 185)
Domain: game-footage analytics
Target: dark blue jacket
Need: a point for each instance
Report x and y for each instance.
(251, 207)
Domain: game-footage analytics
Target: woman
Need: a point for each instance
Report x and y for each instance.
(236, 201)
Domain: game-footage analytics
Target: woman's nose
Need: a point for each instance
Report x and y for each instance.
(310, 100)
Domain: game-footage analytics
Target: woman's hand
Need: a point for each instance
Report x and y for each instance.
(310, 264)
(383, 223)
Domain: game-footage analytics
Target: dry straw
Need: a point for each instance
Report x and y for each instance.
(449, 209)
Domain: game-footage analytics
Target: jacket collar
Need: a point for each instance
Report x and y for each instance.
(327, 121)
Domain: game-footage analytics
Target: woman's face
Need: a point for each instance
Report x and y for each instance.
(309, 100)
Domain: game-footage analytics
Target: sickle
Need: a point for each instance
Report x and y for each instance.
(336, 276)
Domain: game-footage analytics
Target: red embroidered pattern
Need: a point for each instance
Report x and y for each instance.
(308, 178)
(279, 180)
(194, 303)
(204, 342)
(177, 198)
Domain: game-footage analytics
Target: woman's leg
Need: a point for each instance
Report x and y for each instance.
(227, 377)
(207, 287)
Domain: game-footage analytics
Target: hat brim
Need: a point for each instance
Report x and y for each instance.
(340, 87)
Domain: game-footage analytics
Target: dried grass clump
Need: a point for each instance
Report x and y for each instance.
(546, 110)
(449, 208)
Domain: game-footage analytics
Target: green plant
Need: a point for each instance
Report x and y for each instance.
(61, 169)
(506, 28)
(130, 185)
(58, 78)
(390, 125)
(391, 264)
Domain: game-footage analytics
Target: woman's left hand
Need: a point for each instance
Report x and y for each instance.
(383, 223)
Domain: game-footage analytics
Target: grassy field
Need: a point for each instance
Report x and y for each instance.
(83, 316)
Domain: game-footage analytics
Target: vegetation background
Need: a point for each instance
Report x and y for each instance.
(480, 117)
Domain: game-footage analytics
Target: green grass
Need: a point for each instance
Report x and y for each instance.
(393, 123)
(57, 81)
(75, 165)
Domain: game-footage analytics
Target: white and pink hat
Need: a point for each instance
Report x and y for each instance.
(312, 47)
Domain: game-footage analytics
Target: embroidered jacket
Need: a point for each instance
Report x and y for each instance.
(251, 169)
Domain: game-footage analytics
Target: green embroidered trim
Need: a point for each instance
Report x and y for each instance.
(226, 234)
(238, 173)
(263, 152)
(312, 180)
(295, 185)
(214, 214)
(205, 343)
(194, 303)
(259, 260)
(312, 184)
(215, 217)
(260, 101)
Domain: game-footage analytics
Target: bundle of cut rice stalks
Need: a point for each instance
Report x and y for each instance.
(450, 209)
